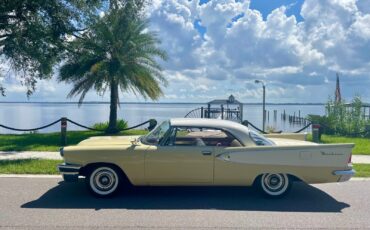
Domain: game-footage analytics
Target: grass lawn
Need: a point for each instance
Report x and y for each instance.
(49, 141)
(362, 144)
(29, 166)
(362, 170)
(35, 166)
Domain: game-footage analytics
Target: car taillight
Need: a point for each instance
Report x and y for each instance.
(350, 159)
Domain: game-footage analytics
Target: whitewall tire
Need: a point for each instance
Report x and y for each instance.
(274, 184)
(103, 181)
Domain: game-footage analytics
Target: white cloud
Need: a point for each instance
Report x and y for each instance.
(15, 88)
(334, 36)
(301, 87)
(297, 59)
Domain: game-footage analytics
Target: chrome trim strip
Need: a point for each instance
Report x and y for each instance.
(350, 172)
(69, 173)
(69, 169)
(344, 175)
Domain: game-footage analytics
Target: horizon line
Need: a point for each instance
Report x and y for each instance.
(107, 102)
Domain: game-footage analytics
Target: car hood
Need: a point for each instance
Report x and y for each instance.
(108, 140)
(290, 142)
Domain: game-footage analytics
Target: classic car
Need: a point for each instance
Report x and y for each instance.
(204, 152)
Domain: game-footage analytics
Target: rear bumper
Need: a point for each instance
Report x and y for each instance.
(69, 169)
(344, 175)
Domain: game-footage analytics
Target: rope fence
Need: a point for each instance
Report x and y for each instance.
(152, 123)
(29, 130)
(247, 123)
(63, 121)
(300, 130)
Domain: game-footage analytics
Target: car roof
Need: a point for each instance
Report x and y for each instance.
(240, 131)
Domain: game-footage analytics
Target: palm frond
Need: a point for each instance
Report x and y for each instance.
(118, 49)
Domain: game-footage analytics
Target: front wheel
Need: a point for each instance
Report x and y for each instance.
(274, 185)
(103, 181)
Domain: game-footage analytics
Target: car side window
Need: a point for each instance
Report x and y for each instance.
(198, 136)
(259, 139)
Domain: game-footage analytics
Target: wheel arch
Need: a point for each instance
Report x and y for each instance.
(85, 170)
(290, 175)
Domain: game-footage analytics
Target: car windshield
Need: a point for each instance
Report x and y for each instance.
(157, 134)
(259, 139)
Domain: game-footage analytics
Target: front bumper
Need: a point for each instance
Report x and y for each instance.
(344, 175)
(69, 169)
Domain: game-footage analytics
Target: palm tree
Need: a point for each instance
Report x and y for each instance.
(117, 53)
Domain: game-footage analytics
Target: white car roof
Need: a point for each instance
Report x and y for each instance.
(240, 131)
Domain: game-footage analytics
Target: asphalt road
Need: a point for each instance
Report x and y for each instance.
(49, 203)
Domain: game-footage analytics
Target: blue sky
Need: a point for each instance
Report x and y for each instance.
(219, 47)
(267, 6)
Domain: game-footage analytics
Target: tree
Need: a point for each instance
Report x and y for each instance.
(118, 53)
(33, 34)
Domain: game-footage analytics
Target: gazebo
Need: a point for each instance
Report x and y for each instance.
(225, 109)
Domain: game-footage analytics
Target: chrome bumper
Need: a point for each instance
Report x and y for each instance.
(69, 169)
(344, 175)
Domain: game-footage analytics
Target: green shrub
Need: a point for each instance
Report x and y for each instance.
(342, 119)
(121, 124)
(271, 129)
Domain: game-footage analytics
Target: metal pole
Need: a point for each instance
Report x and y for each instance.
(264, 105)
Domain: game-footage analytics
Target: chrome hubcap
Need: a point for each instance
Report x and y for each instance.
(104, 181)
(274, 181)
(274, 184)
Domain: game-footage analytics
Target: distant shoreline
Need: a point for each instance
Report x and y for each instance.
(159, 103)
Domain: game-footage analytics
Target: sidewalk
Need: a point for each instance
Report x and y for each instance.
(361, 159)
(357, 159)
(29, 155)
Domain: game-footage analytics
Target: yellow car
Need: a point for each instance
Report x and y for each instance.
(204, 152)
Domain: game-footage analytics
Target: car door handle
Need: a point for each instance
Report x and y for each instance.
(206, 153)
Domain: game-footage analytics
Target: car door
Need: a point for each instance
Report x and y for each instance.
(181, 159)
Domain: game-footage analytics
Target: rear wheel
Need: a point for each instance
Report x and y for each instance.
(104, 181)
(274, 185)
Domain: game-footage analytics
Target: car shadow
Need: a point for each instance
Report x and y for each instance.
(302, 198)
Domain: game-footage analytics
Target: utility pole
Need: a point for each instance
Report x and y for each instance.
(263, 103)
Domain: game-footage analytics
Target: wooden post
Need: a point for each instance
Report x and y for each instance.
(316, 133)
(201, 112)
(222, 112)
(364, 116)
(152, 124)
(209, 111)
(241, 113)
(63, 131)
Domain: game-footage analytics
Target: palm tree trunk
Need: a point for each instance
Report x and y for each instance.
(112, 127)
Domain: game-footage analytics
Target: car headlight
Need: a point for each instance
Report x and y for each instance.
(61, 151)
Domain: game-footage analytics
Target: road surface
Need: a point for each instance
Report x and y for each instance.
(49, 203)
